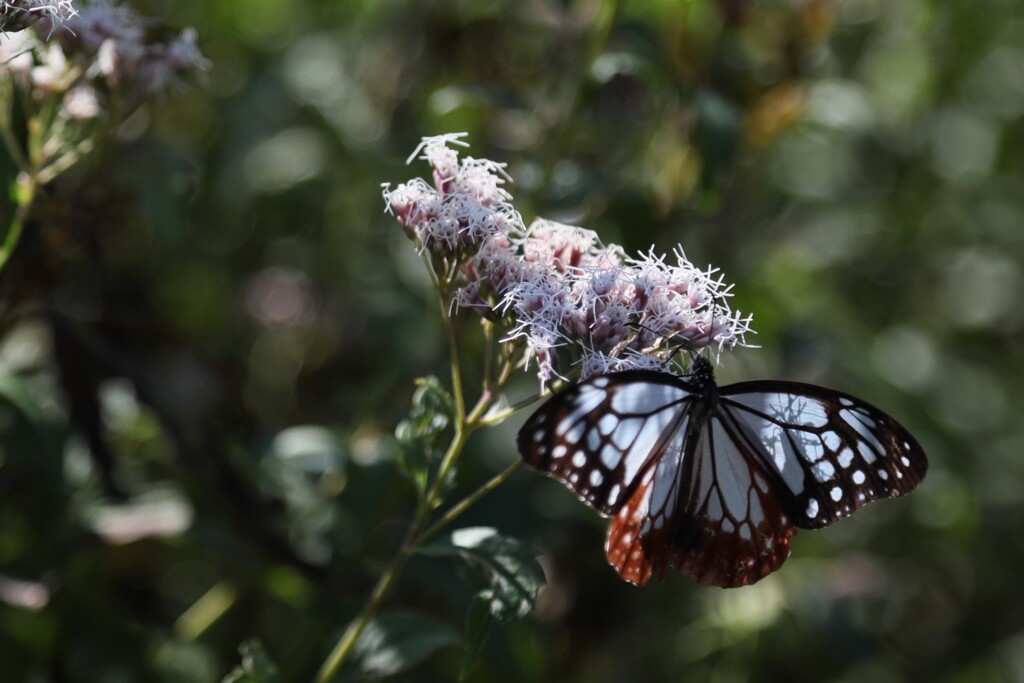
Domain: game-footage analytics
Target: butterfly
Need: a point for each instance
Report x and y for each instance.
(714, 481)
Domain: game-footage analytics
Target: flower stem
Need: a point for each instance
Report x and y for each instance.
(343, 648)
(467, 502)
(24, 195)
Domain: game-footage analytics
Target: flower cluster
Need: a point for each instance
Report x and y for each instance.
(104, 57)
(77, 72)
(17, 15)
(561, 294)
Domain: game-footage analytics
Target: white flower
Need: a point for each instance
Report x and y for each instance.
(81, 103)
(16, 51)
(53, 74)
(16, 15)
(556, 289)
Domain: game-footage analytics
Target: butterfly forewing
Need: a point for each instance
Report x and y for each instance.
(833, 453)
(600, 436)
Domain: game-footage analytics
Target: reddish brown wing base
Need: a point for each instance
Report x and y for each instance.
(703, 536)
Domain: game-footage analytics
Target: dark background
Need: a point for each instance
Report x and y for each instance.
(226, 315)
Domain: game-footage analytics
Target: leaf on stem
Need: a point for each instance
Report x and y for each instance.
(478, 627)
(20, 397)
(256, 666)
(509, 567)
(398, 640)
(420, 433)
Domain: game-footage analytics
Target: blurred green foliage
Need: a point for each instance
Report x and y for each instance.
(211, 331)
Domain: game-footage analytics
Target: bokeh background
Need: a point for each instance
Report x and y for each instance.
(203, 361)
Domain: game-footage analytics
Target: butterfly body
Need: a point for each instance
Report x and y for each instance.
(714, 481)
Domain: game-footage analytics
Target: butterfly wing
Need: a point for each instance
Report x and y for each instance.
(716, 487)
(600, 437)
(731, 528)
(717, 520)
(831, 453)
(617, 441)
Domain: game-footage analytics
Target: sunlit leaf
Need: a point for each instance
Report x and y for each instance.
(397, 640)
(478, 622)
(256, 666)
(509, 567)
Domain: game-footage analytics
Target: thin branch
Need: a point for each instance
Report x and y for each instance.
(467, 502)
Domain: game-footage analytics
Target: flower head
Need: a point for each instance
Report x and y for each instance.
(574, 305)
(16, 15)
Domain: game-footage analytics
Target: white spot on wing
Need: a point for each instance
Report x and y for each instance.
(558, 451)
(858, 477)
(864, 426)
(579, 459)
(613, 495)
(653, 429)
(831, 441)
(610, 456)
(645, 397)
(865, 452)
(574, 434)
(733, 473)
(812, 508)
(714, 507)
(836, 493)
(607, 424)
(787, 408)
(626, 432)
(823, 471)
(845, 458)
(585, 401)
(756, 513)
(596, 478)
(664, 485)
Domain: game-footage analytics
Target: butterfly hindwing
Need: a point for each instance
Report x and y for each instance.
(639, 543)
(710, 515)
(731, 528)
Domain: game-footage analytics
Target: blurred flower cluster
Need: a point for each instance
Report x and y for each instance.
(77, 70)
(566, 298)
(17, 15)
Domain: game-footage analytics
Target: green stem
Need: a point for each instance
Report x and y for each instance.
(419, 531)
(332, 665)
(467, 502)
(24, 196)
(449, 326)
(501, 415)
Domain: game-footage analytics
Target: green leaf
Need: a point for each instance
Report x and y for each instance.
(418, 435)
(397, 640)
(478, 622)
(509, 567)
(256, 666)
(14, 391)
